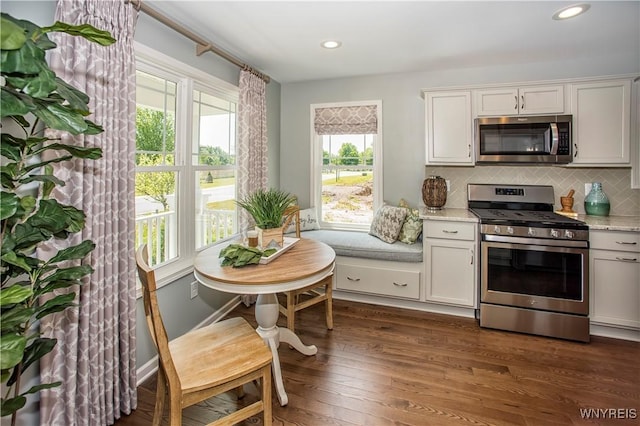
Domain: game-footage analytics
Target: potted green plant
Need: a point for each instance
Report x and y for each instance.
(267, 208)
(34, 99)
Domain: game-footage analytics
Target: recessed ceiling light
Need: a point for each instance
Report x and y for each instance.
(331, 44)
(571, 11)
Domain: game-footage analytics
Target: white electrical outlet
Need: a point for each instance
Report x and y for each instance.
(448, 185)
(587, 188)
(194, 289)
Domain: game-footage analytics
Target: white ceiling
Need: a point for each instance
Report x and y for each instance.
(282, 39)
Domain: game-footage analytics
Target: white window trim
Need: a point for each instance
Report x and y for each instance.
(148, 59)
(316, 164)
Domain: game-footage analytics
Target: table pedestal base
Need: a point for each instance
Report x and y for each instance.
(267, 313)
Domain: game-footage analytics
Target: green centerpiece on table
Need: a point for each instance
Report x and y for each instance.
(237, 255)
(267, 208)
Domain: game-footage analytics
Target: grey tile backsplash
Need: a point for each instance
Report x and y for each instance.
(615, 182)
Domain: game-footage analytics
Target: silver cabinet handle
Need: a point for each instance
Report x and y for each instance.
(516, 106)
(522, 107)
(449, 232)
(472, 255)
(399, 284)
(626, 259)
(353, 279)
(633, 243)
(575, 150)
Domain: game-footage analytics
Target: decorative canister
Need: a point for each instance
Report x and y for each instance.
(596, 202)
(434, 192)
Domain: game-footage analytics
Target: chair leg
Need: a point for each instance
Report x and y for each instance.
(329, 304)
(175, 414)
(266, 395)
(161, 395)
(291, 310)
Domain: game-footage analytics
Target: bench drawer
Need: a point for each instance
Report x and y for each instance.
(384, 282)
(450, 230)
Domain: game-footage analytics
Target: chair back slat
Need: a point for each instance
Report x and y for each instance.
(292, 213)
(152, 314)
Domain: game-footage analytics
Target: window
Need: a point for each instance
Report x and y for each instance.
(347, 163)
(185, 161)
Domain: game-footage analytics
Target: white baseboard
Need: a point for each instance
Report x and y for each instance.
(149, 368)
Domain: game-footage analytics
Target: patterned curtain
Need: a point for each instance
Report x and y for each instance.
(252, 143)
(352, 120)
(95, 356)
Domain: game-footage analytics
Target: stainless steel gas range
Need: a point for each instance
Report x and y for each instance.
(534, 273)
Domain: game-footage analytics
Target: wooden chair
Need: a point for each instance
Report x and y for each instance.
(205, 362)
(318, 292)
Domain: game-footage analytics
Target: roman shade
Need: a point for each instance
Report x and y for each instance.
(361, 119)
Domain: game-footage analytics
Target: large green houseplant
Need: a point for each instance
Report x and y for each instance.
(267, 208)
(34, 99)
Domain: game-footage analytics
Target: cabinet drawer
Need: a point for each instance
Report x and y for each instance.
(450, 230)
(385, 282)
(615, 240)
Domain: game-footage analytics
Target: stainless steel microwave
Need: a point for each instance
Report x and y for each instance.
(533, 139)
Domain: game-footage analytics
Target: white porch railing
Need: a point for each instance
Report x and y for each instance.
(159, 232)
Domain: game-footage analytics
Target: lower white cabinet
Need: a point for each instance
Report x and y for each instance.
(450, 262)
(614, 277)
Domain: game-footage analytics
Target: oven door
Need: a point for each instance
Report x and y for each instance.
(535, 276)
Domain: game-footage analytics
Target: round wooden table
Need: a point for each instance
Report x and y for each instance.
(305, 263)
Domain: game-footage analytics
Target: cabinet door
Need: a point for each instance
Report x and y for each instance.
(615, 288)
(497, 102)
(541, 100)
(449, 128)
(450, 272)
(601, 122)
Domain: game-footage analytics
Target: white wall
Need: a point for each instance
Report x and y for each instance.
(403, 114)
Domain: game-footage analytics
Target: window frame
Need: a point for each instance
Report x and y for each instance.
(187, 78)
(316, 165)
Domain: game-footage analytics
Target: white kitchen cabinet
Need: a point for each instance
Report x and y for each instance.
(450, 262)
(449, 128)
(614, 277)
(601, 122)
(531, 100)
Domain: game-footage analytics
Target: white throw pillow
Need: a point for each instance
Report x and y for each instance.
(308, 221)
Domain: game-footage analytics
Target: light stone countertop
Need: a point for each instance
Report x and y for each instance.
(608, 223)
(612, 223)
(454, 215)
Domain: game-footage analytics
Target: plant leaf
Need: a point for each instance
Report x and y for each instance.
(12, 104)
(25, 60)
(71, 273)
(11, 405)
(14, 319)
(76, 99)
(8, 204)
(76, 252)
(87, 31)
(12, 36)
(77, 151)
(14, 294)
(57, 304)
(13, 259)
(11, 350)
(60, 117)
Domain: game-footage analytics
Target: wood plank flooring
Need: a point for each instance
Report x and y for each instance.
(386, 366)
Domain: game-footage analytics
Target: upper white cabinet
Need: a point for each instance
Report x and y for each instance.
(601, 122)
(449, 128)
(520, 100)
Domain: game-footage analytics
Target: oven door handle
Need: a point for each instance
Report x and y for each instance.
(536, 241)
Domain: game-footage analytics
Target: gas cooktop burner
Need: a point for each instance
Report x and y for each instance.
(541, 219)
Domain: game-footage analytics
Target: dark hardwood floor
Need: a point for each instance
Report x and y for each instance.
(387, 366)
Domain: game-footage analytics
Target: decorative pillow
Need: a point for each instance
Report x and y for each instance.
(387, 223)
(308, 221)
(412, 226)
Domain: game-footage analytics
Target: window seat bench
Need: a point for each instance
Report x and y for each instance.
(363, 245)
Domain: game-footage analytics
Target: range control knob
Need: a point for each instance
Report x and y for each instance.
(510, 230)
(569, 234)
(555, 233)
(497, 229)
(531, 232)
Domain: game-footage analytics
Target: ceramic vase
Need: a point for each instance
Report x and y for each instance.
(596, 202)
(434, 192)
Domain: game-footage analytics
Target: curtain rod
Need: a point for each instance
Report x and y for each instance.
(202, 45)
